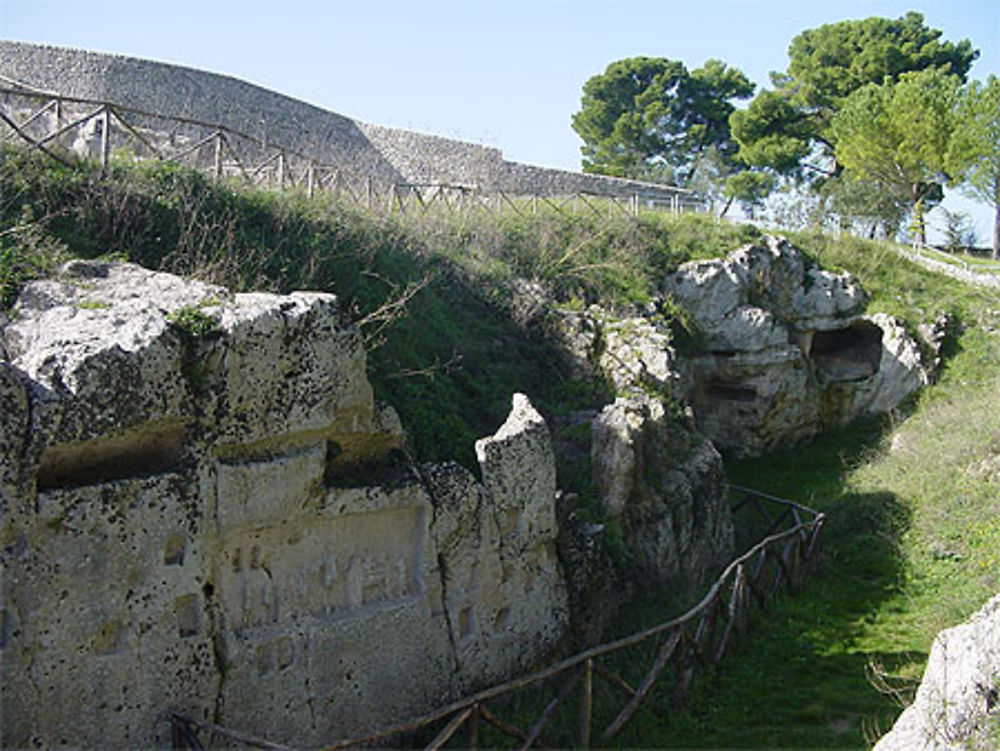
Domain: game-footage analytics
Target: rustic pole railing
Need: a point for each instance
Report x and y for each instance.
(275, 164)
(698, 638)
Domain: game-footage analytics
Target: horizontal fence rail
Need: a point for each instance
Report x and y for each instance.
(782, 559)
(60, 125)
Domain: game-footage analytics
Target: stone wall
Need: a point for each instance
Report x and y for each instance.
(203, 507)
(386, 154)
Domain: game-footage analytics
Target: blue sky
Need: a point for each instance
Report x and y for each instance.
(505, 73)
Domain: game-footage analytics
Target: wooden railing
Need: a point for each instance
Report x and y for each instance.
(58, 125)
(699, 638)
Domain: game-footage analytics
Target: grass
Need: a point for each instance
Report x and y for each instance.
(912, 546)
(912, 537)
(434, 358)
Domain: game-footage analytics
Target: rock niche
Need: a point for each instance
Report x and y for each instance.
(202, 507)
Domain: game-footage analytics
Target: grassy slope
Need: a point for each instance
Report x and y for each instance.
(912, 539)
(912, 542)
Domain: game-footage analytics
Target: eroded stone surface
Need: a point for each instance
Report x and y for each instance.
(784, 350)
(957, 704)
(221, 521)
(666, 486)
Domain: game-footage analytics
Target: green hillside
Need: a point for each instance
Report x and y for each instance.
(913, 537)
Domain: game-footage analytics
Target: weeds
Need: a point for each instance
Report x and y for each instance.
(912, 506)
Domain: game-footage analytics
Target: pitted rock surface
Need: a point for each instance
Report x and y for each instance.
(203, 507)
(957, 706)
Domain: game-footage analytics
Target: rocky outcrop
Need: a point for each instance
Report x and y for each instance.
(666, 486)
(784, 350)
(957, 705)
(203, 507)
(779, 349)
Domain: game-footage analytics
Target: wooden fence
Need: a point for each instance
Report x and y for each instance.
(782, 559)
(60, 126)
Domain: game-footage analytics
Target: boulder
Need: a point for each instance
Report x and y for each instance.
(957, 705)
(784, 350)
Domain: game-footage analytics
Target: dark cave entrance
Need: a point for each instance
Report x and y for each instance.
(848, 354)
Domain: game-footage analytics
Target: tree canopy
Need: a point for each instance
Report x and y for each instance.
(788, 128)
(652, 119)
(895, 136)
(871, 116)
(974, 151)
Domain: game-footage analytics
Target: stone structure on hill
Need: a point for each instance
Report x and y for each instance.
(386, 155)
(957, 706)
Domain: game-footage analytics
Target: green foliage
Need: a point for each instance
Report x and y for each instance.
(650, 118)
(772, 132)
(895, 136)
(829, 63)
(26, 252)
(750, 188)
(959, 232)
(974, 151)
(788, 129)
(863, 204)
(192, 322)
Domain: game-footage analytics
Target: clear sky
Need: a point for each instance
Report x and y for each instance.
(506, 73)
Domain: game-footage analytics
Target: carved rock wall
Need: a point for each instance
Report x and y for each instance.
(204, 508)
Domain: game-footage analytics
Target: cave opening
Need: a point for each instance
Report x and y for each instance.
(848, 354)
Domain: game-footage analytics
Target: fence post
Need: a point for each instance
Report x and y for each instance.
(310, 178)
(368, 191)
(281, 170)
(635, 204)
(217, 167)
(105, 137)
(472, 729)
(587, 703)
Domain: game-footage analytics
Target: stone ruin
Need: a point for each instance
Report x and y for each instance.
(781, 350)
(204, 508)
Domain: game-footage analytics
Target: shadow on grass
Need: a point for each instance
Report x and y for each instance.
(801, 678)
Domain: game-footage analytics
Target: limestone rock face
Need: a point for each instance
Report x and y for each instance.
(784, 351)
(957, 704)
(666, 484)
(780, 350)
(203, 507)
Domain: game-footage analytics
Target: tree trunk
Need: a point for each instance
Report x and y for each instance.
(918, 218)
(996, 232)
(729, 202)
